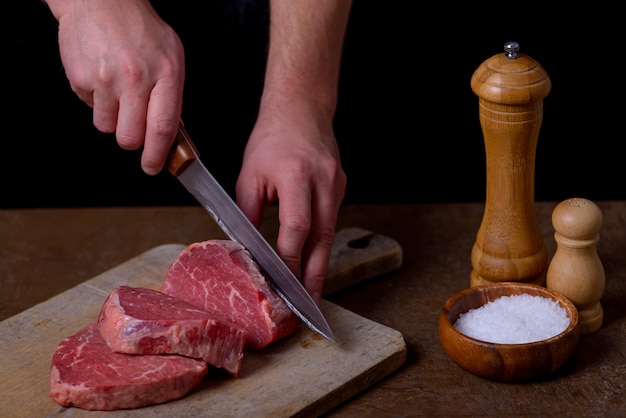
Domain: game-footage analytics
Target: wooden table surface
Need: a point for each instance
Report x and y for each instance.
(47, 251)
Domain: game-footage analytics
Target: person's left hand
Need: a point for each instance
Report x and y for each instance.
(292, 157)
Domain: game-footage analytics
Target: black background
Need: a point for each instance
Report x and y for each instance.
(407, 120)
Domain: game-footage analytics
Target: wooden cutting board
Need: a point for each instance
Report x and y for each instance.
(302, 375)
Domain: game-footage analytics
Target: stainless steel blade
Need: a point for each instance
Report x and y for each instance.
(209, 193)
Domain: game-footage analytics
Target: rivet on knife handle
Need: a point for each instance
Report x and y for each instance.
(183, 153)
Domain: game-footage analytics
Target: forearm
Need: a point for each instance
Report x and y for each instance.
(305, 49)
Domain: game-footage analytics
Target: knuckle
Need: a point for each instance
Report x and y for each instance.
(326, 236)
(165, 128)
(128, 142)
(298, 224)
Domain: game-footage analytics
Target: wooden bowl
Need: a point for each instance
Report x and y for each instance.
(505, 362)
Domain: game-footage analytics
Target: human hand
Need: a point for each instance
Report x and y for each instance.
(292, 157)
(126, 63)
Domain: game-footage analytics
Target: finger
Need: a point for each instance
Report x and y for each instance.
(325, 209)
(131, 119)
(316, 259)
(105, 109)
(316, 253)
(250, 195)
(294, 215)
(162, 125)
(163, 115)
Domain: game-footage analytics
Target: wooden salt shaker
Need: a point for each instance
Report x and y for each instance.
(576, 271)
(509, 247)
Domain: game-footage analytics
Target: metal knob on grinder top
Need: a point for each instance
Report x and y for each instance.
(511, 87)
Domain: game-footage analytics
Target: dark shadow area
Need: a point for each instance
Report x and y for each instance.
(407, 120)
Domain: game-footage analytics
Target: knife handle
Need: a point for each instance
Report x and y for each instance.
(183, 152)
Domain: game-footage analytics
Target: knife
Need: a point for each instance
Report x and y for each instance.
(184, 163)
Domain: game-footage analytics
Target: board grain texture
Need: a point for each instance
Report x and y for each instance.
(302, 375)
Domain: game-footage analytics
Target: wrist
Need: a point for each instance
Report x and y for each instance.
(298, 104)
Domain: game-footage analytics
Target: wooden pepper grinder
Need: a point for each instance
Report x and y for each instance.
(576, 271)
(509, 247)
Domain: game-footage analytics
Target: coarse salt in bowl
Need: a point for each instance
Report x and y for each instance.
(509, 331)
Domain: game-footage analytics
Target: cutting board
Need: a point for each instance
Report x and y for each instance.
(302, 375)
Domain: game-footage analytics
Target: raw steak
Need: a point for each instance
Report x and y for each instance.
(86, 373)
(221, 277)
(145, 321)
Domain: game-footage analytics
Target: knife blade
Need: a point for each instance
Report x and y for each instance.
(184, 163)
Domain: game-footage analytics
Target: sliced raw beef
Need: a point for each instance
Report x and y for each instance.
(86, 373)
(145, 321)
(221, 277)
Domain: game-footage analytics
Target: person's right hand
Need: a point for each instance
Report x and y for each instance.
(126, 63)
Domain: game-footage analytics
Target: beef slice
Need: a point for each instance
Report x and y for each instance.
(87, 374)
(144, 321)
(221, 277)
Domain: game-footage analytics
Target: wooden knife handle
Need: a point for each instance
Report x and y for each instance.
(183, 152)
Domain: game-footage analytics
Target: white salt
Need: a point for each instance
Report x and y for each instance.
(516, 319)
